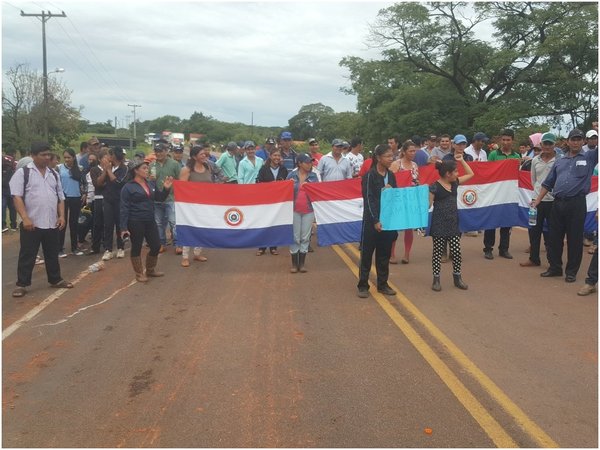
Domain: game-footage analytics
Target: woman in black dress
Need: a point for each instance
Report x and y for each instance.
(444, 220)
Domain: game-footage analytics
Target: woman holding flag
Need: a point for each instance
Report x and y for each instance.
(303, 211)
(373, 238)
(444, 219)
(137, 218)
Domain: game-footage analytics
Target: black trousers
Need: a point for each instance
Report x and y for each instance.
(112, 219)
(544, 210)
(379, 243)
(30, 245)
(72, 210)
(139, 230)
(567, 219)
(98, 225)
(489, 239)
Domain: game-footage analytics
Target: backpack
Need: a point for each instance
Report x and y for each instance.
(26, 171)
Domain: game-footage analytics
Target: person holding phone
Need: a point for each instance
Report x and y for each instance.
(137, 218)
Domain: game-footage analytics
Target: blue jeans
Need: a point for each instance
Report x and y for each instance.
(164, 214)
(302, 227)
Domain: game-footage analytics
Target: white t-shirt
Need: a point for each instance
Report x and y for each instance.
(471, 151)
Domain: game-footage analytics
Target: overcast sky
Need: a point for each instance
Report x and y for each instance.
(225, 59)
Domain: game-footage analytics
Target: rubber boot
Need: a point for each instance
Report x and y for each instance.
(151, 262)
(436, 286)
(301, 260)
(138, 268)
(458, 282)
(295, 262)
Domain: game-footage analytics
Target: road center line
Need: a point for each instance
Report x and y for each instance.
(491, 427)
(519, 416)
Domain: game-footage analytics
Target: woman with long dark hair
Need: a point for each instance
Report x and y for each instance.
(444, 219)
(137, 218)
(199, 169)
(113, 178)
(373, 238)
(70, 178)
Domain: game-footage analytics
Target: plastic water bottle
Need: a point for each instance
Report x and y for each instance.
(532, 216)
(96, 267)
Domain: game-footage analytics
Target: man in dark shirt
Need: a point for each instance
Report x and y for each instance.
(570, 182)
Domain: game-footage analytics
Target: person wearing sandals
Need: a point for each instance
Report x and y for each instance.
(272, 170)
(137, 207)
(199, 169)
(40, 201)
(406, 161)
(444, 219)
(303, 211)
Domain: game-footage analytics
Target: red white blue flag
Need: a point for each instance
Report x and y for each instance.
(234, 215)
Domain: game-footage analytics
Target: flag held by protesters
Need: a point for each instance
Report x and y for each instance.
(234, 215)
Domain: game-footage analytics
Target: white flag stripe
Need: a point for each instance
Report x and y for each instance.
(490, 194)
(592, 201)
(253, 216)
(335, 211)
(525, 197)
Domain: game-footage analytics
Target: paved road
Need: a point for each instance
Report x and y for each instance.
(238, 352)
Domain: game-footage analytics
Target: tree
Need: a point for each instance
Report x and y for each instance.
(308, 122)
(541, 65)
(23, 110)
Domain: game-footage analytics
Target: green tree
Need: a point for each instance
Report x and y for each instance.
(438, 75)
(23, 110)
(308, 122)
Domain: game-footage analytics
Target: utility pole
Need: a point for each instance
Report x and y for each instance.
(134, 131)
(45, 16)
(252, 125)
(116, 126)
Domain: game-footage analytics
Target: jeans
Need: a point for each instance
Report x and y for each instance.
(489, 239)
(302, 228)
(30, 244)
(164, 214)
(72, 210)
(98, 226)
(7, 202)
(138, 231)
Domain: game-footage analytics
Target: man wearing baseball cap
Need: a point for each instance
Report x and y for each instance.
(333, 166)
(476, 148)
(228, 164)
(288, 154)
(315, 154)
(569, 181)
(591, 140)
(540, 168)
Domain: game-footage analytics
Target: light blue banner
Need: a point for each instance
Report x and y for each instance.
(404, 208)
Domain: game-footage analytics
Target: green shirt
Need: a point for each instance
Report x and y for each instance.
(170, 168)
(497, 155)
(227, 164)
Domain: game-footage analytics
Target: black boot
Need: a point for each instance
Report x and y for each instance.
(301, 260)
(458, 282)
(436, 286)
(295, 262)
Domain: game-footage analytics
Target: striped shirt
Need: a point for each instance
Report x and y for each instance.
(42, 195)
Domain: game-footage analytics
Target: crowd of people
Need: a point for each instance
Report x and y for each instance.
(103, 199)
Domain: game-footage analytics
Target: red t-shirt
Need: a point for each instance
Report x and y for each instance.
(301, 205)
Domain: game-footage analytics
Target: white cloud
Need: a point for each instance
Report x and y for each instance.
(225, 59)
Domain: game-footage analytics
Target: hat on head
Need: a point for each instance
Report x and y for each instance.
(38, 147)
(161, 147)
(141, 155)
(270, 140)
(591, 133)
(135, 163)
(345, 144)
(248, 144)
(479, 136)
(312, 141)
(576, 132)
(304, 158)
(231, 146)
(93, 140)
(337, 143)
(536, 139)
(178, 149)
(548, 137)
(286, 135)
(460, 139)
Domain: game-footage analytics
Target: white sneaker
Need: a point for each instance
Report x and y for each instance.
(38, 260)
(120, 253)
(107, 255)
